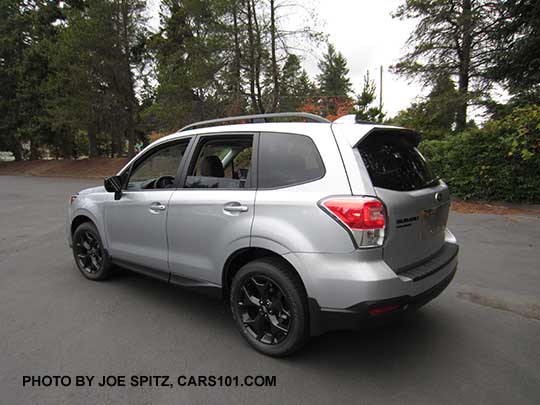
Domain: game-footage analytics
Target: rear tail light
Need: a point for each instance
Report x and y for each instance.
(363, 217)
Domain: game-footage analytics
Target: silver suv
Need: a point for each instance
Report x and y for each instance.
(304, 227)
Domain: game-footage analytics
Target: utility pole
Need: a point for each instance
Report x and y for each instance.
(380, 89)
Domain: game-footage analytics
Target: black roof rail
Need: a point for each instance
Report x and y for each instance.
(256, 118)
(368, 122)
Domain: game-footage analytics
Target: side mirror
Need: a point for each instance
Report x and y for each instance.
(113, 184)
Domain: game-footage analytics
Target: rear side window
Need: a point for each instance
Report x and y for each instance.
(222, 162)
(394, 163)
(288, 159)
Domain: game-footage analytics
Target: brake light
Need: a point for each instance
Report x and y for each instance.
(364, 217)
(358, 214)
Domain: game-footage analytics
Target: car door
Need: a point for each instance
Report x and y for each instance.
(210, 216)
(136, 223)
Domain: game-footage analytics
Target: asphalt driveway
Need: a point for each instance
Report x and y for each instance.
(479, 342)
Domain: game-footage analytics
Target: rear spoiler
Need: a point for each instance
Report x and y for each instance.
(355, 131)
(413, 136)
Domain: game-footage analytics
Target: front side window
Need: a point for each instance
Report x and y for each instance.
(288, 159)
(158, 170)
(222, 163)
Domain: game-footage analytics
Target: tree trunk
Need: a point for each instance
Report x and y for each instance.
(35, 153)
(258, 62)
(66, 149)
(464, 66)
(92, 144)
(251, 44)
(236, 101)
(129, 93)
(237, 54)
(198, 105)
(16, 149)
(114, 147)
(130, 130)
(275, 75)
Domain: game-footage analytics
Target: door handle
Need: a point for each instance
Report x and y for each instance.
(235, 208)
(157, 206)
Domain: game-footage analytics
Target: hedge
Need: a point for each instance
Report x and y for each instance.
(500, 161)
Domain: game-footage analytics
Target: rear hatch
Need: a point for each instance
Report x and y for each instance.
(417, 202)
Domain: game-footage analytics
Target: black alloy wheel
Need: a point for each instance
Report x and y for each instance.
(89, 252)
(264, 310)
(269, 306)
(90, 255)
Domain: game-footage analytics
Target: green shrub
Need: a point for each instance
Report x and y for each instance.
(500, 161)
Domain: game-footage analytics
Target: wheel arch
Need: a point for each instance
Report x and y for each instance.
(79, 220)
(81, 216)
(245, 255)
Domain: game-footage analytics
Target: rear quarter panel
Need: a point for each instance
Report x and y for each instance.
(289, 218)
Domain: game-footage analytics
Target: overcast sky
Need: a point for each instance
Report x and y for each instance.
(366, 34)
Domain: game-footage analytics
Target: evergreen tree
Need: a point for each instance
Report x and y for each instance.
(295, 85)
(190, 51)
(24, 29)
(366, 110)
(452, 37)
(12, 28)
(333, 80)
(92, 88)
(517, 56)
(434, 116)
(334, 84)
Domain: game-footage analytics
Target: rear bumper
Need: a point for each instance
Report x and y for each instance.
(358, 315)
(343, 288)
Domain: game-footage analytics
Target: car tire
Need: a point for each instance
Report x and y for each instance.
(90, 256)
(269, 307)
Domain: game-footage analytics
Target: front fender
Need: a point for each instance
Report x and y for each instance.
(92, 207)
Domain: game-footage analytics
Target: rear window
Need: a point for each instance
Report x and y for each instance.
(288, 159)
(394, 163)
